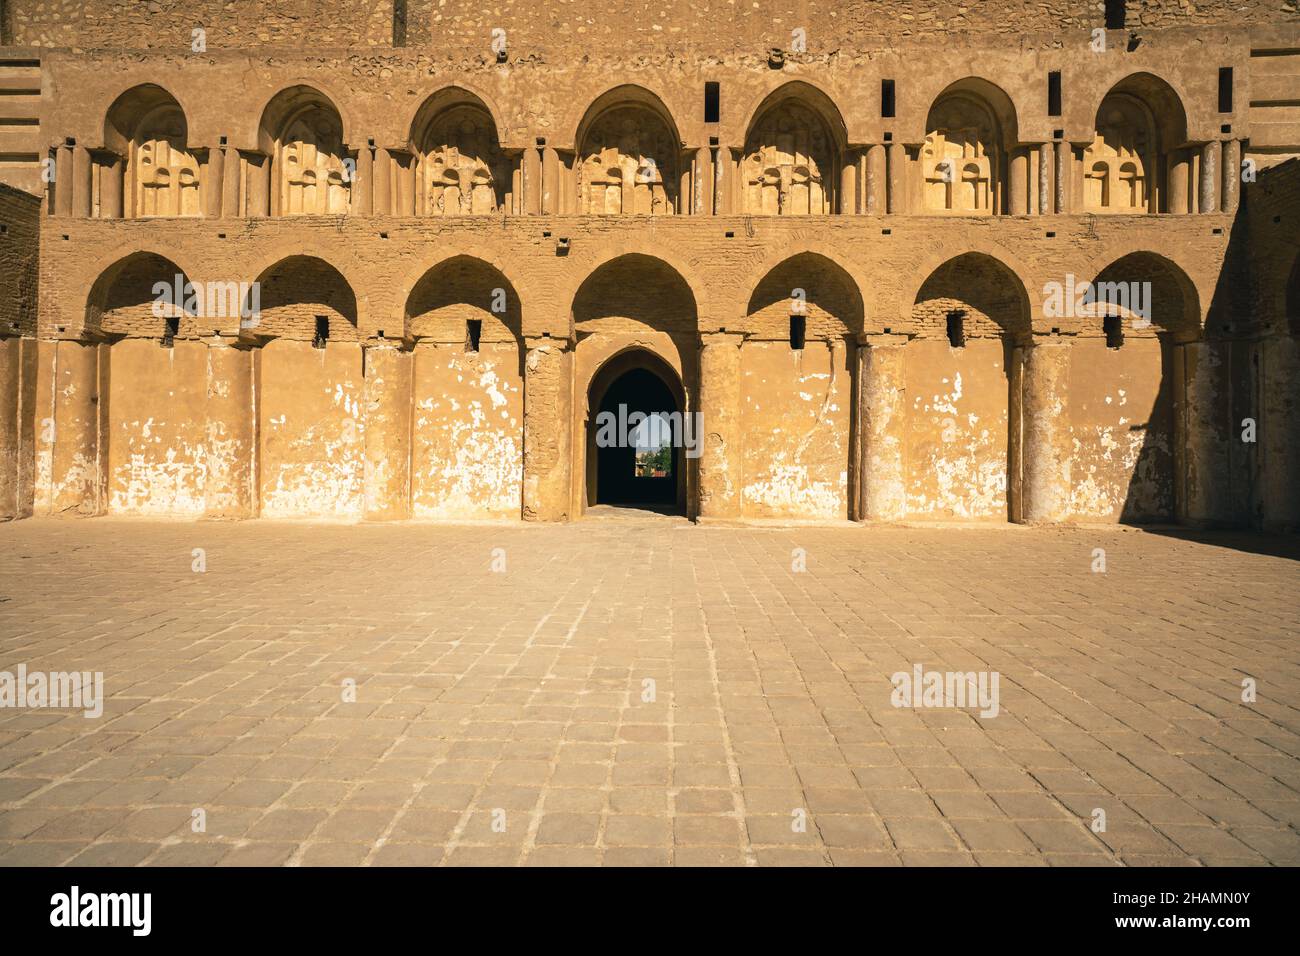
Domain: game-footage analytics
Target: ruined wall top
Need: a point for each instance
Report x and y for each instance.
(574, 28)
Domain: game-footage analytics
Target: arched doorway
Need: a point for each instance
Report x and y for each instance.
(637, 433)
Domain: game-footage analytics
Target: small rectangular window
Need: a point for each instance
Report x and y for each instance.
(1116, 14)
(399, 22)
(798, 329)
(1054, 93)
(1113, 326)
(1225, 89)
(712, 102)
(322, 332)
(957, 329)
(171, 327)
(887, 99)
(473, 333)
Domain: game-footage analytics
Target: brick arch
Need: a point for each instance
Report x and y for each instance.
(852, 276)
(267, 263)
(401, 294)
(685, 271)
(98, 297)
(902, 305)
(1140, 259)
(513, 317)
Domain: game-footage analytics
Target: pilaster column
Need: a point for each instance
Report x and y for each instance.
(532, 181)
(64, 177)
(1179, 182)
(849, 183)
(702, 183)
(17, 419)
(1045, 488)
(1018, 182)
(1279, 432)
(1046, 184)
(877, 180)
(387, 432)
(230, 438)
(548, 415)
(1210, 177)
(550, 181)
(720, 461)
(82, 200)
(259, 205)
(382, 200)
(230, 193)
(1064, 178)
(111, 183)
(76, 472)
(1231, 175)
(363, 188)
(896, 162)
(1202, 431)
(213, 183)
(882, 397)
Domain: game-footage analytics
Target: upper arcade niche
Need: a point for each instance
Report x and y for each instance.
(1139, 156)
(302, 134)
(792, 155)
(462, 169)
(964, 159)
(629, 157)
(146, 167)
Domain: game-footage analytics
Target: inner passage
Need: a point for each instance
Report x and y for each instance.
(641, 467)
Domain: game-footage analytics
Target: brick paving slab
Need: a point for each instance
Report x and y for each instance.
(638, 694)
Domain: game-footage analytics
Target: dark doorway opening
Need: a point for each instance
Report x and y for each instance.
(635, 436)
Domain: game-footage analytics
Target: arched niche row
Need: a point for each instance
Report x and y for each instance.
(629, 157)
(794, 150)
(461, 169)
(965, 160)
(146, 167)
(303, 167)
(1139, 160)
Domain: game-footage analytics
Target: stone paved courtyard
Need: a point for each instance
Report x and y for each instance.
(647, 692)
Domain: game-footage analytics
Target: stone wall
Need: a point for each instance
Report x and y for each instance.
(560, 29)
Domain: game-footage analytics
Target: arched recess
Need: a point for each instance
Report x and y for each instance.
(794, 150)
(636, 434)
(461, 168)
(962, 446)
(1138, 160)
(146, 167)
(303, 166)
(797, 391)
(1125, 387)
(636, 304)
(628, 156)
(310, 421)
(467, 447)
(970, 130)
(153, 414)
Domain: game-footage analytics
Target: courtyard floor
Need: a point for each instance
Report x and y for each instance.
(647, 692)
